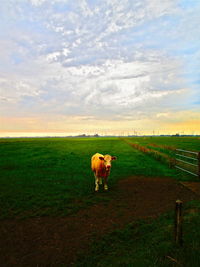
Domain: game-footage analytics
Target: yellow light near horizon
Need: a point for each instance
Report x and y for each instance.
(185, 122)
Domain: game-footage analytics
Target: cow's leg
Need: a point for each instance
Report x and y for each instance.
(96, 182)
(96, 185)
(105, 183)
(100, 180)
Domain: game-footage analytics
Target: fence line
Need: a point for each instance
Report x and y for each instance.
(173, 162)
(191, 152)
(185, 157)
(187, 163)
(186, 170)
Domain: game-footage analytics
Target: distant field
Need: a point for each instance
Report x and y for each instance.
(52, 176)
(190, 143)
(164, 149)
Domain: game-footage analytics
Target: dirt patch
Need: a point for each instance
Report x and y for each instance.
(193, 186)
(49, 241)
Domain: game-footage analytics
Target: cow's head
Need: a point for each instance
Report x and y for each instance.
(107, 161)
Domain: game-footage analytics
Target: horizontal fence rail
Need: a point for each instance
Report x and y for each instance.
(191, 152)
(183, 163)
(185, 157)
(186, 171)
(187, 162)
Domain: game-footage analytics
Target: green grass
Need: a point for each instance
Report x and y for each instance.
(51, 176)
(149, 243)
(44, 176)
(190, 143)
(166, 146)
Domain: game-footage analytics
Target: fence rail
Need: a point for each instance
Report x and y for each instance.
(191, 152)
(185, 157)
(183, 164)
(187, 162)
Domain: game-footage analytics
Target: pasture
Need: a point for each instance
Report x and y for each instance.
(47, 183)
(44, 176)
(188, 143)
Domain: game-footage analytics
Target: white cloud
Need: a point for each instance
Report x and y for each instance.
(14, 89)
(53, 56)
(88, 59)
(37, 2)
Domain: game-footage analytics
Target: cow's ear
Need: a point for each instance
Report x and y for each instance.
(101, 158)
(114, 158)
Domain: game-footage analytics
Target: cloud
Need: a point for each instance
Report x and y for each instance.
(99, 59)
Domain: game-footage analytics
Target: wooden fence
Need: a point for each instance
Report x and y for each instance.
(188, 161)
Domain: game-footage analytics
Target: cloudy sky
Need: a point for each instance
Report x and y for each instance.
(106, 66)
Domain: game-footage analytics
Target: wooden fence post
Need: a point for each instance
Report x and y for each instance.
(199, 165)
(178, 223)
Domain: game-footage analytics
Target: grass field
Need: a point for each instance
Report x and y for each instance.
(190, 143)
(164, 149)
(51, 176)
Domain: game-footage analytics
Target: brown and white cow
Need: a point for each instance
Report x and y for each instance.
(101, 166)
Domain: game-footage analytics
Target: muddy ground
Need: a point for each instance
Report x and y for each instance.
(47, 241)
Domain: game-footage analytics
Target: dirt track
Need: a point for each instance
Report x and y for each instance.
(55, 241)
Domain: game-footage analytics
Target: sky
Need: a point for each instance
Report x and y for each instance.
(99, 66)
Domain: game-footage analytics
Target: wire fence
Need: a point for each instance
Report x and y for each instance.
(188, 161)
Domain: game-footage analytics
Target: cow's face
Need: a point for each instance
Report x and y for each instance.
(107, 161)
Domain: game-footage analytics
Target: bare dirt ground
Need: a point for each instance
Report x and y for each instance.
(57, 241)
(193, 186)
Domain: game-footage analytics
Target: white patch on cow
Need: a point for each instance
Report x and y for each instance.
(105, 187)
(96, 184)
